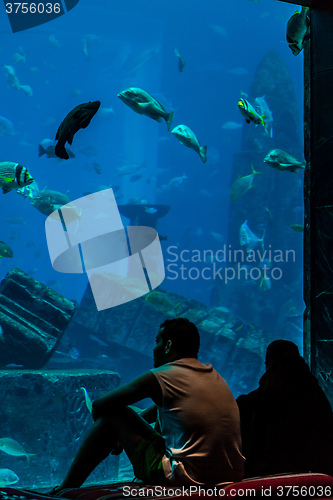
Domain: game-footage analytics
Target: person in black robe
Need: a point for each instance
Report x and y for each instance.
(287, 423)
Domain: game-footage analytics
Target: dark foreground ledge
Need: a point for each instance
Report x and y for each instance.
(311, 485)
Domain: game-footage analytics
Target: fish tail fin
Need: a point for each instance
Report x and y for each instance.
(29, 455)
(169, 119)
(60, 151)
(254, 172)
(41, 150)
(203, 153)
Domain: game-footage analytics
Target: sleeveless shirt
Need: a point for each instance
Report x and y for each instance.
(199, 420)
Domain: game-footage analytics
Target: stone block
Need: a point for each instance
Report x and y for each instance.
(33, 319)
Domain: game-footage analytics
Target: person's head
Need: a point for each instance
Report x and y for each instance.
(280, 350)
(177, 338)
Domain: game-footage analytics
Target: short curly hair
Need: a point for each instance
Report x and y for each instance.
(184, 335)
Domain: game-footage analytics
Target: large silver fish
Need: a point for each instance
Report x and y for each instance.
(8, 477)
(143, 103)
(13, 176)
(187, 137)
(79, 117)
(48, 200)
(12, 447)
(242, 185)
(281, 160)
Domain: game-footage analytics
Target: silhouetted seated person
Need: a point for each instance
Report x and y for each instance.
(197, 418)
(287, 423)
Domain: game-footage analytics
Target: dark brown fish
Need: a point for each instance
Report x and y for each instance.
(79, 117)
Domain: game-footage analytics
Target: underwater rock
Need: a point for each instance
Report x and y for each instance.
(46, 413)
(128, 333)
(33, 319)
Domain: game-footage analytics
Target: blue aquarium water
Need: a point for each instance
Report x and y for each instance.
(229, 223)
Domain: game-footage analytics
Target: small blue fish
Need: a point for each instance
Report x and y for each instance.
(150, 210)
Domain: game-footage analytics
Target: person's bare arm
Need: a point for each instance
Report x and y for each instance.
(145, 386)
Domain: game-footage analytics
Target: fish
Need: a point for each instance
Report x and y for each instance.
(97, 168)
(13, 175)
(6, 126)
(181, 62)
(248, 239)
(86, 41)
(144, 104)
(264, 110)
(129, 168)
(27, 90)
(8, 477)
(87, 399)
(242, 185)
(46, 147)
(29, 191)
(16, 219)
(77, 118)
(150, 210)
(175, 182)
(187, 137)
(238, 71)
(136, 177)
(298, 30)
(54, 42)
(298, 228)
(5, 250)
(12, 78)
(281, 160)
(231, 125)
(250, 114)
(19, 57)
(12, 447)
(48, 200)
(162, 302)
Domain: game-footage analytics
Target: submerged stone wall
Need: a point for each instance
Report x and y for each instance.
(45, 412)
(33, 318)
(125, 337)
